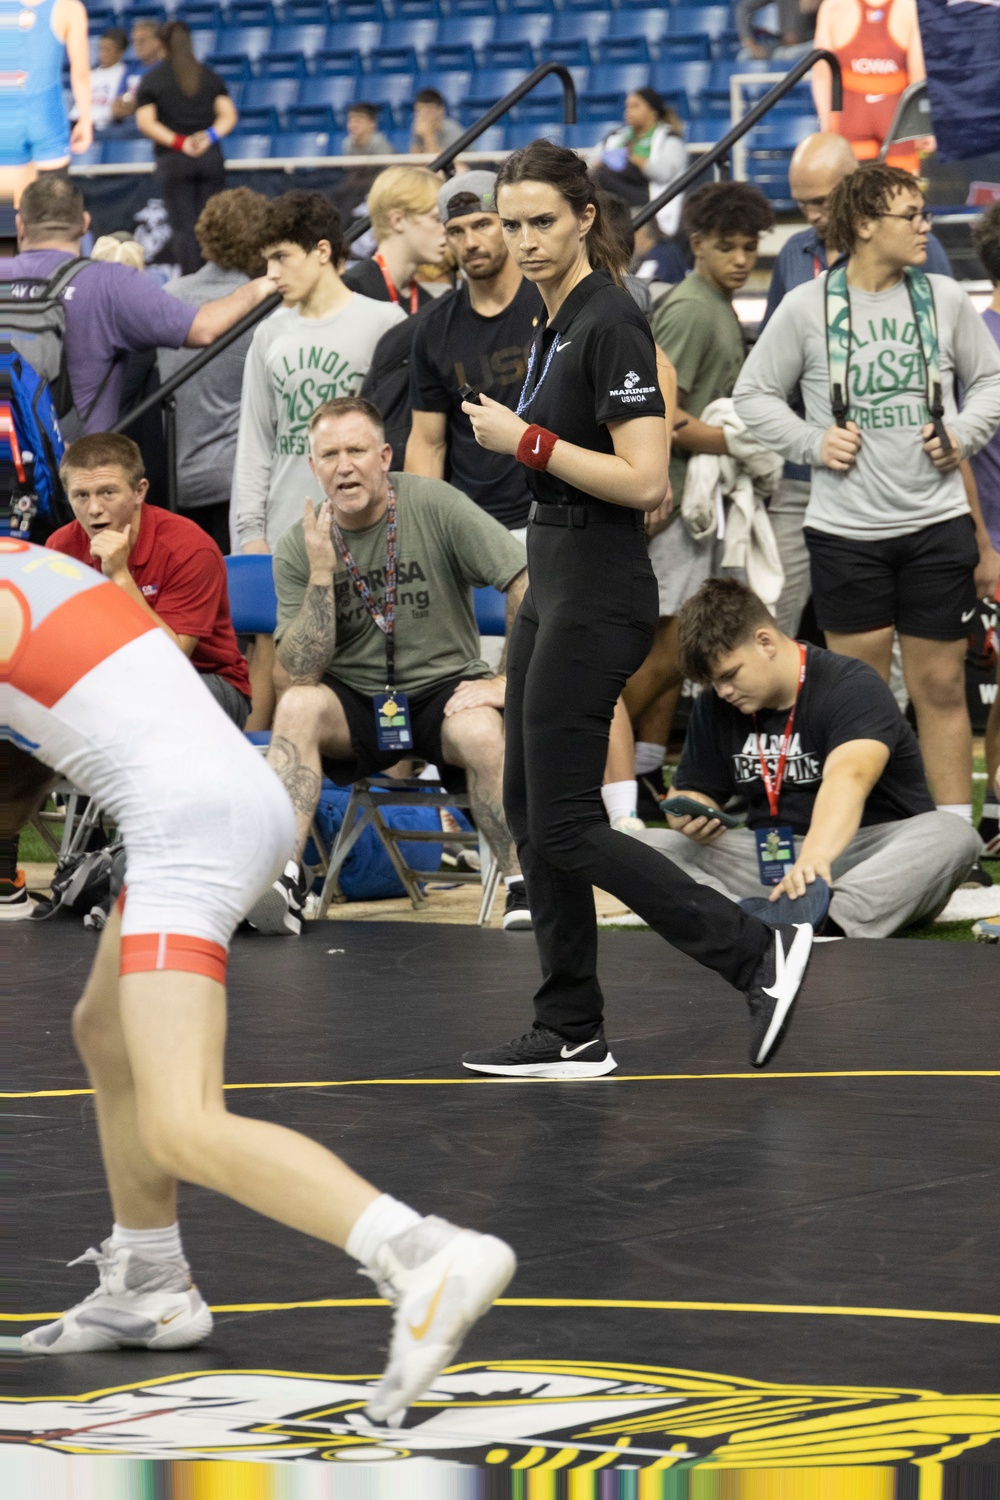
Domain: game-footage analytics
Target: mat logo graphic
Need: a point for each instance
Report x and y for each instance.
(527, 1412)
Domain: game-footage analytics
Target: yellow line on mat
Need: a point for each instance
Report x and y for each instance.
(360, 1083)
(804, 1310)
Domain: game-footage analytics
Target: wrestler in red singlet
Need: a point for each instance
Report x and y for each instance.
(874, 72)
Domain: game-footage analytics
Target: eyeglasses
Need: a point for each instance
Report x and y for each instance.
(917, 216)
(818, 203)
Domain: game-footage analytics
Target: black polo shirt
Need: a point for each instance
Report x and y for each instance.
(604, 370)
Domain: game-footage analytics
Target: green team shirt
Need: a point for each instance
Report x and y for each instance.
(447, 545)
(701, 336)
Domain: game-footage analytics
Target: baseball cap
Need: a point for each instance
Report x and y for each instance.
(467, 193)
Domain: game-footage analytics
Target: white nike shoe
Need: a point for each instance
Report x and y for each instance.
(776, 984)
(141, 1303)
(441, 1279)
(542, 1053)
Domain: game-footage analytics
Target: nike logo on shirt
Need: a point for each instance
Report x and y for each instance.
(564, 344)
(967, 617)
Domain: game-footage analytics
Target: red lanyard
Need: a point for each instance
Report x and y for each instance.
(772, 785)
(390, 285)
(817, 267)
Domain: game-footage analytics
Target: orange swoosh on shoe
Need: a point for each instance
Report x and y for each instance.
(419, 1330)
(173, 1317)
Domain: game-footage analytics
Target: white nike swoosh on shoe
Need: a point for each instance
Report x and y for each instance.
(572, 1051)
(789, 970)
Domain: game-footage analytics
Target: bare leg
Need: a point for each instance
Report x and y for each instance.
(660, 671)
(473, 739)
(260, 660)
(935, 679)
(872, 646)
(309, 722)
(621, 747)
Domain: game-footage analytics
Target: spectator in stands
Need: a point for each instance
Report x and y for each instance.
(697, 329)
(163, 562)
(645, 156)
(403, 207)
(891, 540)
(433, 130)
(657, 260)
(149, 50)
(113, 309)
(363, 136)
(850, 787)
(229, 233)
(332, 656)
(315, 348)
(107, 80)
(818, 164)
(185, 110)
(480, 336)
(986, 467)
(796, 24)
(880, 55)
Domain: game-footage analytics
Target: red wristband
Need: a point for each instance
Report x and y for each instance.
(535, 448)
(177, 144)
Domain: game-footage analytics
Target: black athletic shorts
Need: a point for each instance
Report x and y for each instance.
(922, 583)
(426, 719)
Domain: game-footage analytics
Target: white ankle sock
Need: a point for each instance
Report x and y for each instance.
(619, 799)
(161, 1244)
(648, 757)
(510, 880)
(960, 809)
(991, 808)
(380, 1221)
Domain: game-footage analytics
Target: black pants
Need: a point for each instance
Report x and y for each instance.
(213, 519)
(585, 625)
(187, 183)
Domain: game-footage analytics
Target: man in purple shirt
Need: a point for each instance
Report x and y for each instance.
(111, 310)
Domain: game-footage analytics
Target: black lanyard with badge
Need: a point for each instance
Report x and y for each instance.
(392, 709)
(776, 843)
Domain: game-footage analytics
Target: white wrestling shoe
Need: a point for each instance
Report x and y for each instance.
(141, 1303)
(441, 1279)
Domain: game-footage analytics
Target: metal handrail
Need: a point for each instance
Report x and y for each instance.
(722, 149)
(493, 114)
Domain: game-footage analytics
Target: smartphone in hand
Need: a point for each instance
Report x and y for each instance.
(680, 806)
(468, 394)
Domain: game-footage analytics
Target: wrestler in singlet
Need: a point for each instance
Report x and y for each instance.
(874, 71)
(90, 686)
(33, 122)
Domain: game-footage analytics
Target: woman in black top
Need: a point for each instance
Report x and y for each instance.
(590, 430)
(185, 110)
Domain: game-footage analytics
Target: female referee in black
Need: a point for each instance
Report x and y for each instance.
(590, 430)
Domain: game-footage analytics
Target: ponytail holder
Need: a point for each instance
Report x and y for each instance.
(177, 144)
(535, 448)
(213, 135)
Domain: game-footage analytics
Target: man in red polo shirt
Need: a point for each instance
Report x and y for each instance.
(163, 561)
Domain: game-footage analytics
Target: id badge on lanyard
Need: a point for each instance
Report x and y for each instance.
(776, 843)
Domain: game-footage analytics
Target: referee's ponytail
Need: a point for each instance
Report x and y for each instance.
(542, 161)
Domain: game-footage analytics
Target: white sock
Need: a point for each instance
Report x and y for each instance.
(510, 880)
(648, 757)
(960, 809)
(380, 1221)
(619, 799)
(991, 808)
(161, 1244)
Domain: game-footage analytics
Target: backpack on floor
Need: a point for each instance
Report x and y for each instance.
(367, 873)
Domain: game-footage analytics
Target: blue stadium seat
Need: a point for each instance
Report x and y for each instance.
(251, 13)
(724, 68)
(361, 37)
(99, 18)
(358, 10)
(705, 131)
(518, 6)
(231, 67)
(306, 40)
(242, 41)
(393, 60)
(298, 143)
(196, 17)
(588, 134)
(782, 134)
(282, 65)
(457, 59)
(418, 34)
(510, 55)
(490, 140)
(611, 79)
(202, 45)
(695, 48)
(262, 120)
(93, 156)
(544, 103)
(416, 9)
(466, 31)
(581, 25)
(325, 91)
(707, 20)
(469, 8)
(337, 63)
(652, 23)
(127, 153)
(453, 86)
(269, 93)
(246, 147)
(533, 28)
(394, 90)
(518, 135)
(623, 49)
(690, 78)
(306, 12)
(490, 84)
(576, 54)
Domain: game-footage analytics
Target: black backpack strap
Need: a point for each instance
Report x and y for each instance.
(64, 274)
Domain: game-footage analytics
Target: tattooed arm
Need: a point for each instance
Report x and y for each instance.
(311, 639)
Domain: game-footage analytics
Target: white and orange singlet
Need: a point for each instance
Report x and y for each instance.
(90, 686)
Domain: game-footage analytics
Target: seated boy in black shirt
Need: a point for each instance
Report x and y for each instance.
(816, 747)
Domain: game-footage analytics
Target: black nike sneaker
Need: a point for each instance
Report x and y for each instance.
(775, 985)
(542, 1053)
(278, 911)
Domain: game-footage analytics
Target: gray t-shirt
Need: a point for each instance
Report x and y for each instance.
(448, 132)
(294, 365)
(379, 145)
(448, 545)
(208, 405)
(893, 489)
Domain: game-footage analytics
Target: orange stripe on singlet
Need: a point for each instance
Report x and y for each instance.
(74, 639)
(150, 952)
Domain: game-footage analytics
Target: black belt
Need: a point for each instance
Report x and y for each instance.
(585, 515)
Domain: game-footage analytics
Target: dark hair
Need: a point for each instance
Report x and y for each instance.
(303, 218)
(721, 616)
(864, 194)
(618, 218)
(98, 449)
(51, 206)
(725, 208)
(663, 111)
(118, 36)
(562, 169)
(347, 406)
(176, 39)
(428, 96)
(359, 107)
(986, 241)
(228, 230)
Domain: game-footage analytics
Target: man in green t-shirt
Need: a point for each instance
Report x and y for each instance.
(700, 334)
(330, 572)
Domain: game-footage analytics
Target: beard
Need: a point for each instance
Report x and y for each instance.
(485, 270)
